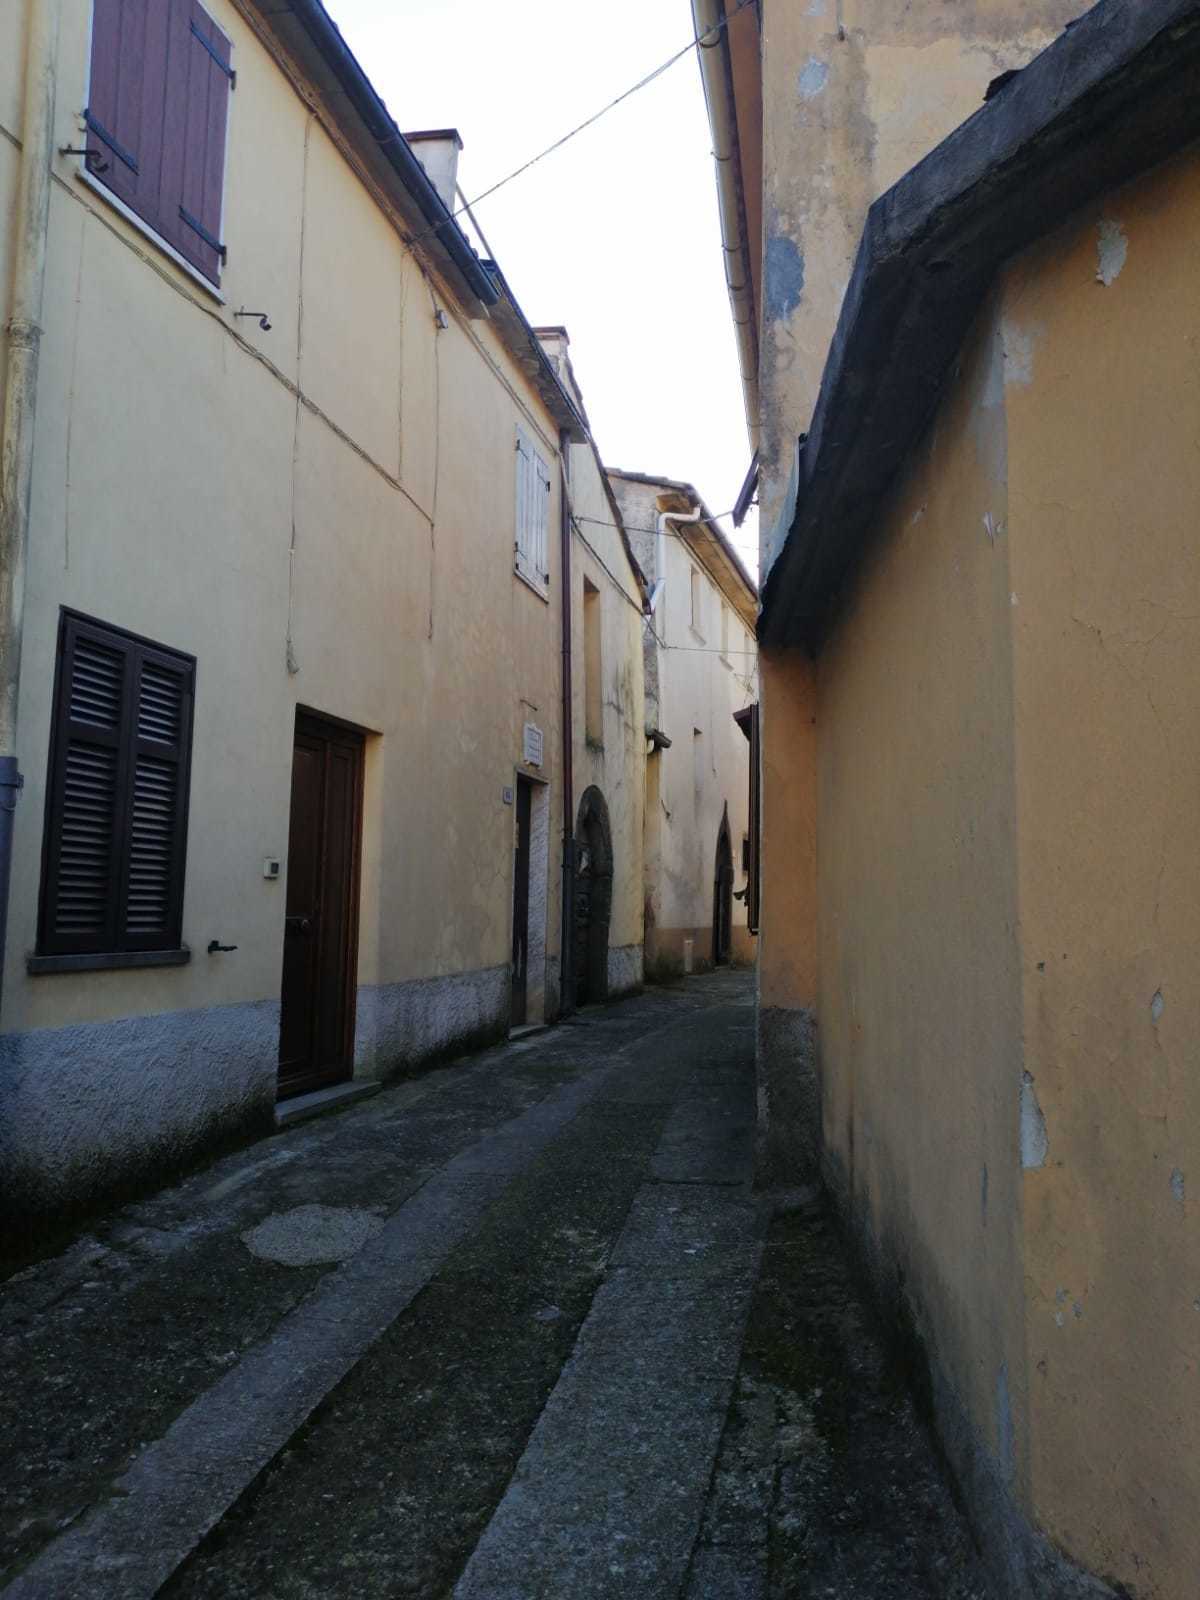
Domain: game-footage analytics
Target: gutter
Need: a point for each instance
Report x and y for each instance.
(359, 91)
(24, 333)
(716, 73)
(566, 954)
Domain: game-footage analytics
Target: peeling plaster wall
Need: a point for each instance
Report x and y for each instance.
(1103, 424)
(854, 93)
(1009, 905)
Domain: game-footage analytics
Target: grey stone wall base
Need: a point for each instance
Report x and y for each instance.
(1021, 1562)
(96, 1112)
(625, 974)
(788, 1140)
(403, 1026)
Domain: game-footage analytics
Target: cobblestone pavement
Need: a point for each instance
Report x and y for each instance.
(520, 1330)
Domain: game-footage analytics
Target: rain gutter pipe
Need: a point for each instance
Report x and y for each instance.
(566, 955)
(23, 331)
(716, 72)
(660, 549)
(357, 87)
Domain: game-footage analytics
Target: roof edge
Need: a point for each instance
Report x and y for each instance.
(1114, 95)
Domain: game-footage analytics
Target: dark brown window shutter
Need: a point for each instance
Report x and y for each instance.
(151, 912)
(116, 803)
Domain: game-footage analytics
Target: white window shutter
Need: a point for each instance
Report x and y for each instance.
(533, 513)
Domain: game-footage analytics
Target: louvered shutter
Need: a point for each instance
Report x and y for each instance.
(542, 530)
(524, 506)
(86, 792)
(151, 911)
(116, 806)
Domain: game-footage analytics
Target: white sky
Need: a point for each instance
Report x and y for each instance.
(616, 235)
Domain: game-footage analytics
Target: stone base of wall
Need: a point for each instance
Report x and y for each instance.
(404, 1026)
(94, 1113)
(788, 1139)
(664, 959)
(625, 970)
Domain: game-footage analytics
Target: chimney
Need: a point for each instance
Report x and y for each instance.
(437, 150)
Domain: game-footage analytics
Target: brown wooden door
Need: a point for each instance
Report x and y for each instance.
(316, 1033)
(520, 947)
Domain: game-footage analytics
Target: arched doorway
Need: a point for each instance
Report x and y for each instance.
(593, 898)
(723, 896)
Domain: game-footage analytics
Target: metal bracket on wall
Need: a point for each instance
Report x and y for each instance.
(92, 159)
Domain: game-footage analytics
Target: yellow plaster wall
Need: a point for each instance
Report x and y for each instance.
(854, 93)
(184, 489)
(1104, 428)
(920, 979)
(788, 959)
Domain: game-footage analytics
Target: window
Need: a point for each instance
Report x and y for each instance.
(533, 515)
(116, 796)
(697, 603)
(158, 102)
(593, 665)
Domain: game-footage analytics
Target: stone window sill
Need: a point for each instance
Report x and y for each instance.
(108, 961)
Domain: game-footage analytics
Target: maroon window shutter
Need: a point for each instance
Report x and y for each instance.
(200, 77)
(155, 833)
(84, 809)
(125, 100)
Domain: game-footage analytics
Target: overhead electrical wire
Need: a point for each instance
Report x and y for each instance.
(642, 83)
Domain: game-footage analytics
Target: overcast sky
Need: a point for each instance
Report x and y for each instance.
(616, 235)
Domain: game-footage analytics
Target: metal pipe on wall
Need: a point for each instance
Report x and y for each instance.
(716, 74)
(23, 331)
(566, 958)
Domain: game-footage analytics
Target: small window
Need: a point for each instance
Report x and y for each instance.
(533, 515)
(593, 665)
(158, 103)
(697, 603)
(117, 794)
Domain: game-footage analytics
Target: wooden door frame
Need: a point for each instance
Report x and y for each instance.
(318, 724)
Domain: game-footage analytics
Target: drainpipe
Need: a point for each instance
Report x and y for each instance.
(716, 72)
(660, 550)
(24, 334)
(566, 960)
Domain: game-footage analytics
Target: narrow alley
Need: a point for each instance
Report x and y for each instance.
(520, 1327)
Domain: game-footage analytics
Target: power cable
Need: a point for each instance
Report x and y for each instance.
(642, 83)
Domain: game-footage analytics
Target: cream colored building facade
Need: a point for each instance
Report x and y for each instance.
(980, 694)
(321, 515)
(608, 603)
(701, 671)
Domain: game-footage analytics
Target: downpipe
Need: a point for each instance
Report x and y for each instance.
(566, 959)
(23, 330)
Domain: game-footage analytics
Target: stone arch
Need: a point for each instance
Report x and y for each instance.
(593, 897)
(723, 895)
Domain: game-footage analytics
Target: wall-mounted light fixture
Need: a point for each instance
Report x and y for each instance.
(263, 320)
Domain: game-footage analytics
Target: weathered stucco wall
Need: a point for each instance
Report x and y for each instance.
(706, 769)
(616, 763)
(788, 1103)
(340, 488)
(854, 93)
(1103, 408)
(920, 983)
(1009, 887)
